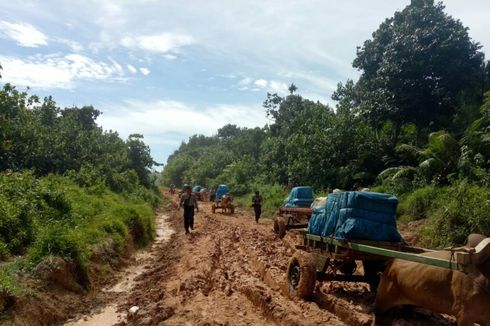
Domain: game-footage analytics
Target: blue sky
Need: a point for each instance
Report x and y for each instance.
(171, 69)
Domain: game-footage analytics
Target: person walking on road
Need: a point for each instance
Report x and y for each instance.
(257, 205)
(189, 201)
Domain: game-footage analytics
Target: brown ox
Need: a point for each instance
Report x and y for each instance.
(226, 204)
(465, 296)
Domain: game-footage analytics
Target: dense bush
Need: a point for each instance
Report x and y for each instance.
(459, 210)
(66, 184)
(55, 216)
(60, 240)
(273, 197)
(20, 205)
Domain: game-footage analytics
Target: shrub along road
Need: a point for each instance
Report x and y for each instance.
(231, 271)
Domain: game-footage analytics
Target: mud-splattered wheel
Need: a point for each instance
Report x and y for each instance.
(301, 276)
(279, 227)
(213, 208)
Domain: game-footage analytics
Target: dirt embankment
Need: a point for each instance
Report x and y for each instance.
(56, 291)
(228, 271)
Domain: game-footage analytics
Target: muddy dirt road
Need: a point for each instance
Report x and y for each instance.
(230, 271)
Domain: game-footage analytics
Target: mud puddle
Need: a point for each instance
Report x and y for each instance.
(108, 315)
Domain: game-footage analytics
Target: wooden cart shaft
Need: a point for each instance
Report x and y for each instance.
(460, 260)
(306, 211)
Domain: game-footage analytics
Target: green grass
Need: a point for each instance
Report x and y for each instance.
(451, 212)
(459, 210)
(272, 198)
(8, 286)
(418, 204)
(55, 216)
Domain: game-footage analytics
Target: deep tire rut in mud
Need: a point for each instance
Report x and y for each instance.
(232, 271)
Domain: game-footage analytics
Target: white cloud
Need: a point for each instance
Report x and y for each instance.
(56, 71)
(24, 34)
(145, 71)
(261, 83)
(245, 81)
(132, 69)
(275, 86)
(313, 78)
(278, 87)
(158, 118)
(169, 56)
(74, 46)
(159, 43)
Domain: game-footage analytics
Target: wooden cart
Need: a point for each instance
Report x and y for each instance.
(225, 203)
(291, 218)
(330, 259)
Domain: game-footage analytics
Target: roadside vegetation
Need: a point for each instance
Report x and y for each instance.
(66, 186)
(415, 124)
(272, 195)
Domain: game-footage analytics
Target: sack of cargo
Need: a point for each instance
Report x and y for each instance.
(357, 215)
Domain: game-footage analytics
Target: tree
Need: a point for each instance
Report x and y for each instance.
(228, 131)
(140, 159)
(416, 68)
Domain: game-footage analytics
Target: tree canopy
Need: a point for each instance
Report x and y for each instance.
(419, 66)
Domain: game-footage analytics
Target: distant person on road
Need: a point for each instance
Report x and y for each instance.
(189, 201)
(172, 189)
(257, 205)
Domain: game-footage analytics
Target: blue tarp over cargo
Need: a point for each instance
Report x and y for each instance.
(220, 191)
(356, 215)
(299, 197)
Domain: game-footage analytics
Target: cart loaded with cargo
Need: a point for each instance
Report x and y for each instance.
(223, 200)
(295, 212)
(353, 231)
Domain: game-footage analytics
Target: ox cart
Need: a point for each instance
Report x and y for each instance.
(291, 218)
(354, 229)
(295, 211)
(225, 204)
(223, 200)
(330, 259)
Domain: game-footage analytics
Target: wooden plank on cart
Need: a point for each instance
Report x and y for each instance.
(295, 210)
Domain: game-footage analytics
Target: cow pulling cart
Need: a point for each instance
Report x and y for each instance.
(223, 200)
(354, 229)
(322, 258)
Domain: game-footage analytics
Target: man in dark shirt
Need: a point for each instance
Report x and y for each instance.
(257, 205)
(189, 201)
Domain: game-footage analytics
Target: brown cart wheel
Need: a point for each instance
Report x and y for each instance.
(301, 275)
(279, 227)
(213, 208)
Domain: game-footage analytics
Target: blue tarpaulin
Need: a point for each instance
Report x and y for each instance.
(356, 215)
(299, 197)
(196, 188)
(220, 191)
